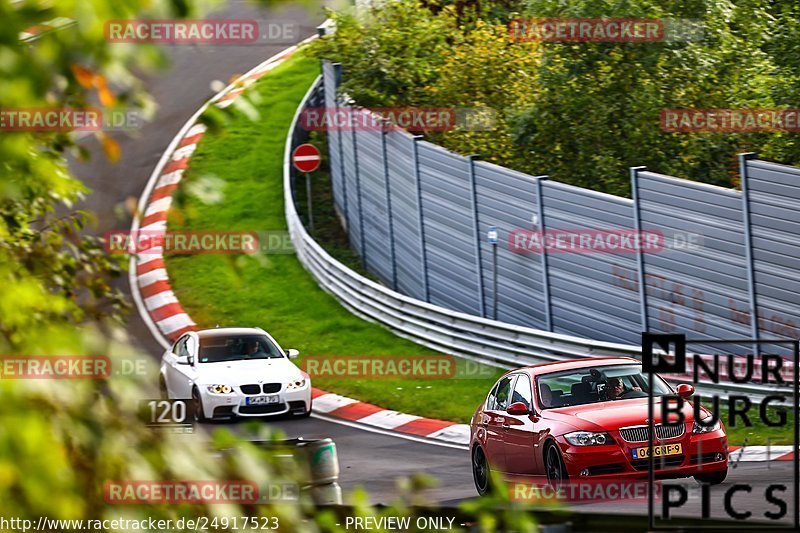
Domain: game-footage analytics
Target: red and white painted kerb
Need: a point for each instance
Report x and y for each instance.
(167, 320)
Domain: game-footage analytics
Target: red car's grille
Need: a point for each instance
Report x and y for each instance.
(642, 433)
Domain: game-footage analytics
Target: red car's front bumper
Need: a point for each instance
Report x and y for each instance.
(701, 453)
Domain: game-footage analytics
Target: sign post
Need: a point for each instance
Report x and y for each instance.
(491, 236)
(306, 158)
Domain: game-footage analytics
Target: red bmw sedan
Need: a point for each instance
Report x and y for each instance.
(587, 420)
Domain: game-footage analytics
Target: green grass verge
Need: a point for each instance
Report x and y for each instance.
(235, 183)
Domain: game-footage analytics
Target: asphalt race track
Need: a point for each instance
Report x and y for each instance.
(368, 459)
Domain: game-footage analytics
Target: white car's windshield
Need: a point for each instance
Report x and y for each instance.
(594, 385)
(221, 348)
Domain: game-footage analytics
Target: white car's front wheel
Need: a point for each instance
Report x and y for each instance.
(162, 388)
(197, 406)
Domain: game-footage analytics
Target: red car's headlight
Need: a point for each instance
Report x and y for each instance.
(588, 438)
(706, 426)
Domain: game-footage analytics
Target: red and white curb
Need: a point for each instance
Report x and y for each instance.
(167, 320)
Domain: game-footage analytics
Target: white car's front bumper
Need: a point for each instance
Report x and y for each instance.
(296, 401)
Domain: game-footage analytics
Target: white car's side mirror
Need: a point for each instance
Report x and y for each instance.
(292, 353)
(184, 360)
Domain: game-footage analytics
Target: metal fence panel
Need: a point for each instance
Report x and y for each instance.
(333, 137)
(351, 189)
(701, 286)
(592, 294)
(774, 203)
(401, 167)
(374, 207)
(507, 200)
(449, 233)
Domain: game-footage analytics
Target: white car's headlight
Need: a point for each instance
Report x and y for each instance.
(705, 427)
(296, 384)
(220, 389)
(588, 438)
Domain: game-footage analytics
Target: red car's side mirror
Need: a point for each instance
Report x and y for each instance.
(518, 409)
(684, 390)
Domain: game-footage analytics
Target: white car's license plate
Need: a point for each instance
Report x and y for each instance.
(261, 400)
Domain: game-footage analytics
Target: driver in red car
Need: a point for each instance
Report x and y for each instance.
(615, 389)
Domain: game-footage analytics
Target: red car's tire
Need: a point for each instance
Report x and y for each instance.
(713, 478)
(481, 473)
(554, 465)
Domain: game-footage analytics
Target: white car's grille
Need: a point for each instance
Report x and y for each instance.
(642, 433)
(255, 388)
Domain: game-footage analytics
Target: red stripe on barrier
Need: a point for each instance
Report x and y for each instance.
(231, 95)
(163, 192)
(149, 266)
(316, 393)
(190, 140)
(155, 288)
(787, 457)
(172, 166)
(161, 216)
(356, 411)
(423, 426)
(166, 311)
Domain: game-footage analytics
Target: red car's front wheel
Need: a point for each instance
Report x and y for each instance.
(554, 466)
(480, 471)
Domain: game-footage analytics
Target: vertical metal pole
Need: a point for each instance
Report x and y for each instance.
(337, 73)
(421, 224)
(477, 232)
(748, 248)
(384, 134)
(637, 222)
(796, 409)
(358, 197)
(310, 205)
(548, 309)
(494, 281)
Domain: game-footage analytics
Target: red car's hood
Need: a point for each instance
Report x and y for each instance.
(611, 415)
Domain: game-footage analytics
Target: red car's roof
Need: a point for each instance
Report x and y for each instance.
(546, 368)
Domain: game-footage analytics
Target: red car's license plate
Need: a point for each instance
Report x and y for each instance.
(658, 451)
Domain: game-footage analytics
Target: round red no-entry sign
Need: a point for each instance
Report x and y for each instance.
(306, 158)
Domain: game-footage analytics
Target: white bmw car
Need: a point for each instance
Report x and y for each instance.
(230, 372)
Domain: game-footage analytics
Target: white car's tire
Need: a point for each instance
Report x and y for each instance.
(162, 388)
(198, 412)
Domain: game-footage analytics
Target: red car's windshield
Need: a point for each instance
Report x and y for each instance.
(596, 384)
